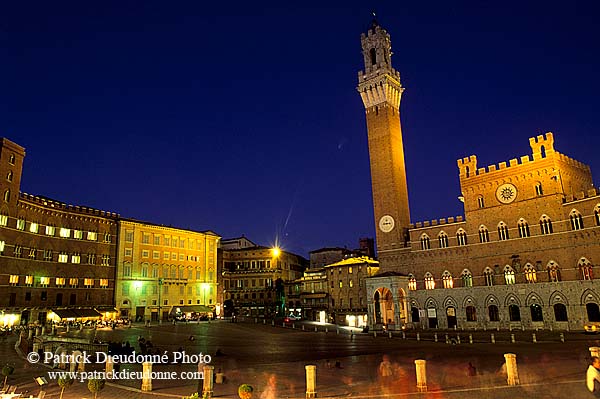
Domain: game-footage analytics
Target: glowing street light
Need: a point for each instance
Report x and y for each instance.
(276, 252)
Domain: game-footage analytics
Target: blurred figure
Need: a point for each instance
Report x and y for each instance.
(385, 370)
(471, 370)
(593, 377)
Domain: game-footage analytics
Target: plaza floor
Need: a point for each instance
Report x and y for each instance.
(272, 359)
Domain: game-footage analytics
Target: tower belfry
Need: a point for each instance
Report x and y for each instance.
(380, 89)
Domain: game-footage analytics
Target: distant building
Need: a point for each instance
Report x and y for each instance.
(255, 278)
(328, 255)
(165, 272)
(57, 261)
(366, 246)
(236, 243)
(347, 290)
(312, 295)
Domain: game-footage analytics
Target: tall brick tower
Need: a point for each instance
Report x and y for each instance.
(380, 89)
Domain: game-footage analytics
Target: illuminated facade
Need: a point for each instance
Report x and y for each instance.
(165, 272)
(255, 279)
(524, 254)
(57, 260)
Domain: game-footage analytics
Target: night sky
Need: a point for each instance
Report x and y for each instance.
(243, 118)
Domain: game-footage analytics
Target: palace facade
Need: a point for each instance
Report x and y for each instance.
(523, 255)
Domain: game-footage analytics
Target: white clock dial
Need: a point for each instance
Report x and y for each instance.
(506, 193)
(386, 223)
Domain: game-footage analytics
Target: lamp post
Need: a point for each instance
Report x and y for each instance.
(160, 284)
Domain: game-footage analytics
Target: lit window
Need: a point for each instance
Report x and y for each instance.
(32, 253)
(182, 243)
(412, 283)
(2, 245)
(173, 256)
(29, 281)
(480, 203)
(145, 238)
(461, 237)
(351, 283)
(11, 159)
(546, 225)
(167, 241)
(60, 281)
(73, 282)
(104, 283)
(127, 270)
(467, 278)
(523, 228)
(488, 276)
(44, 281)
(585, 269)
(18, 251)
(64, 232)
(92, 236)
(88, 282)
(443, 239)
(34, 227)
(553, 272)
(105, 260)
(538, 189)
(447, 280)
(7, 196)
(509, 275)
(63, 257)
(3, 220)
(145, 254)
(9, 176)
(181, 257)
(576, 220)
(175, 242)
(76, 258)
(78, 234)
(144, 271)
(349, 269)
(530, 273)
(429, 282)
(166, 255)
(341, 284)
(20, 224)
(91, 259)
(156, 240)
(502, 231)
(484, 234)
(13, 279)
(425, 243)
(155, 255)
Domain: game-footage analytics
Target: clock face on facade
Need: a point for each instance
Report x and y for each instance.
(386, 223)
(506, 193)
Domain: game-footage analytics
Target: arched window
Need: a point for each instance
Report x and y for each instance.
(488, 276)
(493, 313)
(553, 272)
(467, 278)
(523, 228)
(484, 234)
(576, 220)
(536, 312)
(509, 275)
(429, 281)
(11, 159)
(425, 243)
(443, 239)
(538, 189)
(597, 214)
(7, 195)
(560, 312)
(461, 237)
(546, 225)
(9, 176)
(373, 55)
(447, 279)
(593, 312)
(471, 313)
(514, 313)
(412, 282)
(530, 273)
(585, 269)
(502, 231)
(480, 202)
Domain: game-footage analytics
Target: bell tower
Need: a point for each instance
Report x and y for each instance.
(380, 89)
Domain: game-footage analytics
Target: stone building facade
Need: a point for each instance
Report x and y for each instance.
(53, 256)
(523, 255)
(255, 280)
(165, 272)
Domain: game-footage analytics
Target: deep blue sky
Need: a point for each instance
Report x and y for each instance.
(243, 118)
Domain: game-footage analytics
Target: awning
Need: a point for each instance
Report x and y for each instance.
(192, 308)
(106, 309)
(86, 313)
(65, 313)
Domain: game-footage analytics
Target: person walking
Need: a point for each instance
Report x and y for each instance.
(593, 377)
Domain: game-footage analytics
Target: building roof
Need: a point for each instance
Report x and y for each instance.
(207, 232)
(328, 249)
(389, 274)
(359, 260)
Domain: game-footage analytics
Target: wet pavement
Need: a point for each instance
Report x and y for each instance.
(272, 359)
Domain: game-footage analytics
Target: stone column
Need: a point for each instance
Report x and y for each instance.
(43, 330)
(147, 377)
(207, 388)
(421, 375)
(311, 381)
(595, 351)
(30, 334)
(512, 374)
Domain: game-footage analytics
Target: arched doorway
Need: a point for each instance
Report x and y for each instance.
(593, 312)
(384, 306)
(451, 316)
